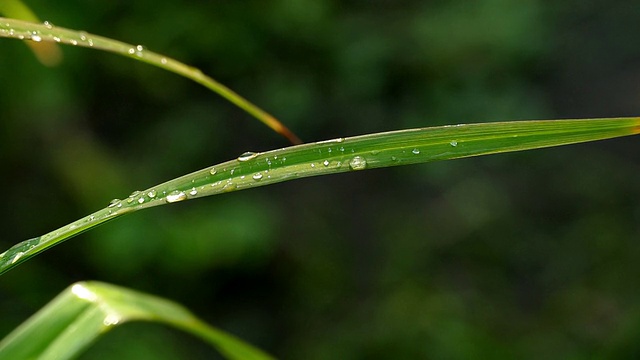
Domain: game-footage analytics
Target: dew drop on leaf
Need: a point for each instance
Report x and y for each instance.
(358, 163)
(247, 156)
(229, 187)
(176, 196)
(139, 50)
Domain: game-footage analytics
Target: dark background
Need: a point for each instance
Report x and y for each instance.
(524, 255)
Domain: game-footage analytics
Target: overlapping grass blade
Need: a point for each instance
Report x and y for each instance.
(47, 53)
(340, 155)
(85, 311)
(23, 30)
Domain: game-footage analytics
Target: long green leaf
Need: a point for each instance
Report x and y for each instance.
(23, 30)
(337, 156)
(85, 311)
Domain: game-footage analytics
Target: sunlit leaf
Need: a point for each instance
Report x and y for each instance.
(85, 311)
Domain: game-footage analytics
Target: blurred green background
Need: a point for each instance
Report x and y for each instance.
(525, 255)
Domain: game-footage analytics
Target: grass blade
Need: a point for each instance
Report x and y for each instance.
(340, 155)
(39, 33)
(85, 311)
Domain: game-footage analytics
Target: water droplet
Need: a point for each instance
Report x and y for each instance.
(326, 163)
(132, 51)
(111, 319)
(83, 36)
(139, 50)
(114, 202)
(454, 143)
(56, 39)
(163, 61)
(193, 192)
(358, 163)
(415, 151)
(257, 176)
(229, 187)
(48, 25)
(393, 158)
(247, 156)
(35, 37)
(176, 196)
(213, 171)
(140, 200)
(152, 193)
(313, 165)
(73, 42)
(17, 257)
(18, 250)
(339, 140)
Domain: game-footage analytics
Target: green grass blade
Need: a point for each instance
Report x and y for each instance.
(340, 155)
(23, 30)
(85, 311)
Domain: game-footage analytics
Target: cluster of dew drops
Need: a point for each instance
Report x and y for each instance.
(138, 197)
(83, 38)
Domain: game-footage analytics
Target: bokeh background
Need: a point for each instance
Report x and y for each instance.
(524, 255)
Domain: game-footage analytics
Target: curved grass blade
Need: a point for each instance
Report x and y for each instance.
(17, 29)
(48, 54)
(84, 311)
(340, 155)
